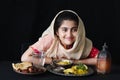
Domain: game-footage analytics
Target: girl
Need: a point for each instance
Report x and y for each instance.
(64, 38)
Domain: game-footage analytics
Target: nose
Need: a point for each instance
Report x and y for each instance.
(69, 33)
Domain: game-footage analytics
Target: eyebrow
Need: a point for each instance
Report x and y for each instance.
(69, 28)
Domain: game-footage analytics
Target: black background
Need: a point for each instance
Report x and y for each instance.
(23, 21)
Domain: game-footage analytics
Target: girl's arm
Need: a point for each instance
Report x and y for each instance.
(88, 61)
(91, 59)
(28, 56)
(42, 45)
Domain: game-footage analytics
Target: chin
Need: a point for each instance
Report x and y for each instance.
(69, 44)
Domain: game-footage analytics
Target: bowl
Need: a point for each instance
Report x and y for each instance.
(63, 63)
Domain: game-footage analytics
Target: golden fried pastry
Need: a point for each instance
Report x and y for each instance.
(26, 67)
(22, 65)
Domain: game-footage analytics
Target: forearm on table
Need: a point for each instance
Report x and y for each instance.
(48, 60)
(28, 56)
(36, 60)
(88, 61)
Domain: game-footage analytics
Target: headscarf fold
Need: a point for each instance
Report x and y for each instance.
(81, 47)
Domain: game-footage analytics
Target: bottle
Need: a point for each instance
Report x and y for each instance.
(104, 61)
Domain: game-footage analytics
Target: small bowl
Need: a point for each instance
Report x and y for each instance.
(63, 63)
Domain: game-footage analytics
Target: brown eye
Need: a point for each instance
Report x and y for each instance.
(74, 30)
(64, 29)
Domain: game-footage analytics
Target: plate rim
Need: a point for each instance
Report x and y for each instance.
(49, 68)
(35, 73)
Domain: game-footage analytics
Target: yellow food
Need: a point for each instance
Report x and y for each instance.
(77, 70)
(21, 66)
(69, 70)
(64, 62)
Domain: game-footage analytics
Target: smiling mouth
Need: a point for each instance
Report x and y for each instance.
(69, 39)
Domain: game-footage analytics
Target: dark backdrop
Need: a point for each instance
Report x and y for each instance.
(23, 21)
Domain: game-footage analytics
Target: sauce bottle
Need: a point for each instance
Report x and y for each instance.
(104, 61)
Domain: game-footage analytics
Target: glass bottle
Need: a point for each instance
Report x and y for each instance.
(104, 61)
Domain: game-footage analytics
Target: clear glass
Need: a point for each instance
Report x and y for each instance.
(42, 59)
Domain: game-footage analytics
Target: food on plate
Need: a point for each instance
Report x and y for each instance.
(22, 65)
(26, 67)
(79, 69)
(64, 62)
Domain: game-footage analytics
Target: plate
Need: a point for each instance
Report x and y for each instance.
(34, 73)
(50, 68)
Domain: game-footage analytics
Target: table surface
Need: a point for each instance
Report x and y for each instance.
(7, 73)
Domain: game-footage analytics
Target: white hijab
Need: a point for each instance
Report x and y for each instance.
(80, 49)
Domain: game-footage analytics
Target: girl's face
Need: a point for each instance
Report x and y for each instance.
(67, 32)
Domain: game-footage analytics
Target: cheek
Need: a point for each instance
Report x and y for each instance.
(60, 34)
(75, 36)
